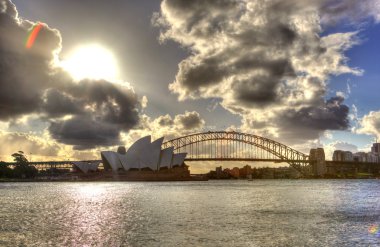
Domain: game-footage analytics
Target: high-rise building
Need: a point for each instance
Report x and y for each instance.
(218, 171)
(360, 157)
(340, 155)
(375, 148)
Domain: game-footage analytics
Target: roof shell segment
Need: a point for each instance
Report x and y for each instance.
(111, 159)
(133, 157)
(166, 157)
(81, 166)
(178, 159)
(151, 157)
(85, 167)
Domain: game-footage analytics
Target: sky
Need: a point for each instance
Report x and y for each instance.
(104, 73)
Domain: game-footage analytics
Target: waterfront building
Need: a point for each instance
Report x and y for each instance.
(218, 171)
(340, 155)
(372, 158)
(360, 157)
(348, 156)
(235, 172)
(142, 155)
(375, 148)
(245, 171)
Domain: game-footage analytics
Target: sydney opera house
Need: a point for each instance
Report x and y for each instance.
(142, 155)
(144, 160)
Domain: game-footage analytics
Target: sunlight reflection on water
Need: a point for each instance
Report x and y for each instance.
(214, 213)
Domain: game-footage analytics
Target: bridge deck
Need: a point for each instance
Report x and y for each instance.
(247, 159)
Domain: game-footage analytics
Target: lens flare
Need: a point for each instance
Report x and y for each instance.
(374, 230)
(33, 35)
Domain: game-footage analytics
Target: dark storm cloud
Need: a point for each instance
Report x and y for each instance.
(57, 104)
(190, 120)
(31, 83)
(260, 91)
(333, 115)
(199, 74)
(113, 103)
(100, 110)
(304, 123)
(182, 122)
(84, 132)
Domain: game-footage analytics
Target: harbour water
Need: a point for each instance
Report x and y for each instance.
(212, 213)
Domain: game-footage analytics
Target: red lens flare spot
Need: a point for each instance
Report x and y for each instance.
(33, 35)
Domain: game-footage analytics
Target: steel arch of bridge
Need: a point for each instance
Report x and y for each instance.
(295, 158)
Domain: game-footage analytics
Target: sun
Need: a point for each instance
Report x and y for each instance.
(91, 62)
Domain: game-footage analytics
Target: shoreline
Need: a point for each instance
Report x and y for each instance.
(172, 180)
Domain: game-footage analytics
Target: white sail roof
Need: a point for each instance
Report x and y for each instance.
(166, 157)
(93, 166)
(85, 167)
(178, 159)
(111, 159)
(151, 157)
(134, 155)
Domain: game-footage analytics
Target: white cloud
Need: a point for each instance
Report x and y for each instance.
(144, 102)
(167, 126)
(30, 144)
(370, 124)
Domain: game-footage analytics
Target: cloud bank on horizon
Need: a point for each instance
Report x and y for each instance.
(268, 62)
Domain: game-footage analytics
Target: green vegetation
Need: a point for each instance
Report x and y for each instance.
(21, 168)
(5, 170)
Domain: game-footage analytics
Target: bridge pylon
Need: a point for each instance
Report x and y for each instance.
(318, 162)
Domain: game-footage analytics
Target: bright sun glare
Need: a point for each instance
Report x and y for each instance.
(91, 62)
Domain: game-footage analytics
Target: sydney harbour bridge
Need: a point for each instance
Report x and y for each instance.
(235, 146)
(222, 146)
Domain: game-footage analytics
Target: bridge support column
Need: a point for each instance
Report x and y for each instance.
(319, 162)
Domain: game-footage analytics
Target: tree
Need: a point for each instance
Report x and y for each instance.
(22, 168)
(5, 171)
(3, 164)
(20, 158)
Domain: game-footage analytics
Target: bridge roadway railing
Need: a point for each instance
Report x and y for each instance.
(64, 164)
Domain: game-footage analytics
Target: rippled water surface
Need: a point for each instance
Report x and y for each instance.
(213, 213)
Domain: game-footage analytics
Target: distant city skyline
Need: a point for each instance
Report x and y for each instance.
(101, 74)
